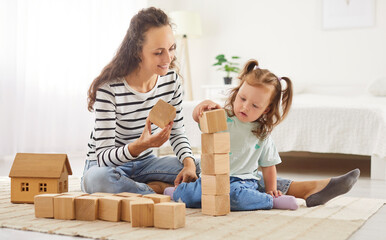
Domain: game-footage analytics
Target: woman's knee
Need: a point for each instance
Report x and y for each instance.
(98, 179)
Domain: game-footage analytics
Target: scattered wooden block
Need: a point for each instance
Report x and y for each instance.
(75, 194)
(215, 142)
(215, 184)
(125, 208)
(158, 198)
(64, 207)
(86, 208)
(128, 194)
(142, 213)
(169, 215)
(162, 113)
(44, 205)
(102, 194)
(215, 163)
(215, 205)
(110, 208)
(213, 121)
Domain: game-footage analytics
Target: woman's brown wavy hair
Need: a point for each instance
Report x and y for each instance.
(128, 56)
(281, 100)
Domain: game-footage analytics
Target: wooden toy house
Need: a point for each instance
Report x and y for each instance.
(32, 174)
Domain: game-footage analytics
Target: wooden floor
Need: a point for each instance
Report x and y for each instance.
(303, 167)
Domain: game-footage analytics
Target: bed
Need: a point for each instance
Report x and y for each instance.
(326, 124)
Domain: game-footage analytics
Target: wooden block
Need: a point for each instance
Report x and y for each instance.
(128, 194)
(215, 205)
(44, 205)
(215, 163)
(142, 213)
(215, 142)
(213, 121)
(110, 208)
(158, 198)
(86, 208)
(215, 184)
(125, 207)
(102, 194)
(169, 215)
(64, 207)
(162, 113)
(75, 194)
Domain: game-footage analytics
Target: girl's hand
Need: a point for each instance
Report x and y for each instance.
(188, 173)
(147, 140)
(274, 193)
(202, 107)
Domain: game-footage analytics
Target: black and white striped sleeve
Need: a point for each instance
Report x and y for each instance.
(178, 139)
(104, 132)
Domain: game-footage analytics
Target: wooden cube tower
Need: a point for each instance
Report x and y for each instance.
(215, 146)
(162, 113)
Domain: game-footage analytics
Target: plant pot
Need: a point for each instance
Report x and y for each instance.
(227, 80)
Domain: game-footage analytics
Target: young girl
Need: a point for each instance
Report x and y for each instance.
(254, 108)
(120, 156)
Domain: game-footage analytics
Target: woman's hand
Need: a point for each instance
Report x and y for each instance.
(188, 173)
(202, 107)
(147, 140)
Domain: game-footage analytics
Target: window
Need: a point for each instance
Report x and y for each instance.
(42, 187)
(65, 186)
(24, 187)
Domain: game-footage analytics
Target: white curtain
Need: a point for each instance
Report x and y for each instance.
(50, 51)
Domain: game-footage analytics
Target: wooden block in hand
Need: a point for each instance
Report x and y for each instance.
(142, 213)
(215, 142)
(44, 205)
(169, 215)
(215, 205)
(64, 207)
(128, 194)
(215, 184)
(162, 113)
(86, 208)
(125, 209)
(213, 121)
(215, 163)
(110, 208)
(158, 198)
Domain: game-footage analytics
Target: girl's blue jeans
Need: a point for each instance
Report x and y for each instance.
(132, 176)
(247, 194)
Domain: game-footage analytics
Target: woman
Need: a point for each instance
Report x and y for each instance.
(120, 156)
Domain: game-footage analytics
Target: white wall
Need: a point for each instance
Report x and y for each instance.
(287, 38)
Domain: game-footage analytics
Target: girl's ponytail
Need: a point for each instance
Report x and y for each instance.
(286, 97)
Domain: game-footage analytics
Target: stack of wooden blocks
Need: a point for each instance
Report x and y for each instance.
(142, 211)
(215, 146)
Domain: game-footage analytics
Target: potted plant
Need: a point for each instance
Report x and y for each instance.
(227, 66)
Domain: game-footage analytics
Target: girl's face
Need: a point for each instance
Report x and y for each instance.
(158, 50)
(251, 102)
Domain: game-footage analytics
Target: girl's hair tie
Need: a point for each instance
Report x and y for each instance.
(256, 67)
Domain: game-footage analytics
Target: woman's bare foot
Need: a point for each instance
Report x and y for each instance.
(159, 186)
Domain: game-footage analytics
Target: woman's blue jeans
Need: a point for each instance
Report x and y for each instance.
(132, 176)
(247, 194)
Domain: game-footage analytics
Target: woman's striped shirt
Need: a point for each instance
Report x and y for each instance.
(120, 117)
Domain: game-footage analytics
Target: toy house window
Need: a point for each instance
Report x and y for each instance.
(24, 187)
(60, 187)
(65, 185)
(42, 187)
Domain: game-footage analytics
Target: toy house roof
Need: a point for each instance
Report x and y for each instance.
(39, 165)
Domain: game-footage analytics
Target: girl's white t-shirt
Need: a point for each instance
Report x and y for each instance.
(247, 152)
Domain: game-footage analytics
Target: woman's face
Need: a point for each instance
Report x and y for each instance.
(158, 50)
(251, 102)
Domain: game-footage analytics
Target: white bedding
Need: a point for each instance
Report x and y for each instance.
(333, 124)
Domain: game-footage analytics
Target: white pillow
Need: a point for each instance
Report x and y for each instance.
(378, 87)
